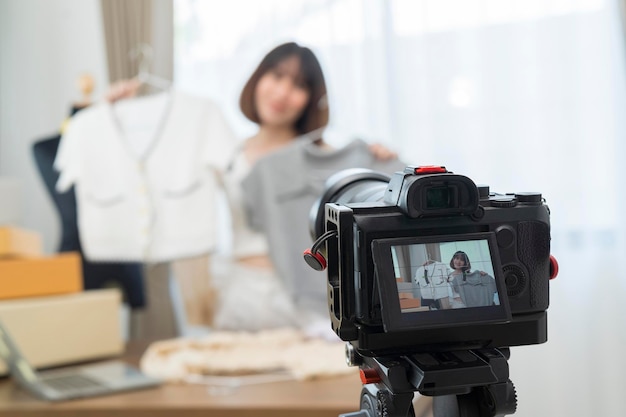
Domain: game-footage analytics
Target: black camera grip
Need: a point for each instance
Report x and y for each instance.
(534, 252)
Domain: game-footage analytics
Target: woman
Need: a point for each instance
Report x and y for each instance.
(475, 288)
(286, 97)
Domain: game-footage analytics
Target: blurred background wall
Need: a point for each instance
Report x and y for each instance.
(44, 48)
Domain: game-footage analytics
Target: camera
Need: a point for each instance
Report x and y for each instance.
(425, 268)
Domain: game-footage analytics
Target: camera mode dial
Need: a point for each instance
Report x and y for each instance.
(504, 202)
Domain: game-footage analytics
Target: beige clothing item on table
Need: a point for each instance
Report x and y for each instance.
(225, 353)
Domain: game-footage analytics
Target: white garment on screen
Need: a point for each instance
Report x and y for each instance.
(432, 280)
(144, 173)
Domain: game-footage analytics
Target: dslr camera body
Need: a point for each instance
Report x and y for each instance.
(430, 280)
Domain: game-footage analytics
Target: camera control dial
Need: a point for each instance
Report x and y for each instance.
(504, 202)
(515, 280)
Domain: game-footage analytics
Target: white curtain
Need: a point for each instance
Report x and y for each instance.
(516, 94)
(523, 95)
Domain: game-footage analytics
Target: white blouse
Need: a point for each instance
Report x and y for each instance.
(144, 173)
(246, 241)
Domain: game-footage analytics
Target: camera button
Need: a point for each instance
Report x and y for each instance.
(505, 236)
(483, 191)
(430, 169)
(554, 267)
(529, 198)
(369, 376)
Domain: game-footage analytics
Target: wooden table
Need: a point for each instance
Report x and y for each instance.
(325, 398)
(321, 398)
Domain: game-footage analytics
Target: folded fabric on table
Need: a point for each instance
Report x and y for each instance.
(230, 353)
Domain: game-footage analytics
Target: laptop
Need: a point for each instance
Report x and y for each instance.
(72, 382)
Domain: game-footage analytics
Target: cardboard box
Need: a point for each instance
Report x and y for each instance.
(64, 329)
(410, 302)
(16, 242)
(59, 274)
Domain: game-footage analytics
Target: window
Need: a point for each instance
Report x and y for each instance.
(520, 95)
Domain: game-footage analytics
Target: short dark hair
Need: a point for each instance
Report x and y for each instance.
(462, 255)
(315, 115)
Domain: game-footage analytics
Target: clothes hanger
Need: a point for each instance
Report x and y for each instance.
(143, 53)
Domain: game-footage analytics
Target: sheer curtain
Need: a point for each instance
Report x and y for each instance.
(516, 94)
(521, 95)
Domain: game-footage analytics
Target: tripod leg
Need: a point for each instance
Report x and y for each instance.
(456, 406)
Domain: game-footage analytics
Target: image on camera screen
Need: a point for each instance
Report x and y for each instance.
(440, 281)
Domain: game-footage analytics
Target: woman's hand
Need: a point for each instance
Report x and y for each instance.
(381, 152)
(123, 89)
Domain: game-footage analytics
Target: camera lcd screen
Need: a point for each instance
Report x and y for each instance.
(440, 281)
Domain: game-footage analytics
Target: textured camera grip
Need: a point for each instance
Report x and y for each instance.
(533, 250)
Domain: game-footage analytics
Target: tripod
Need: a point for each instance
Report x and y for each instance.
(465, 383)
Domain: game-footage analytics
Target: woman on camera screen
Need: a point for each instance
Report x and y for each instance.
(475, 288)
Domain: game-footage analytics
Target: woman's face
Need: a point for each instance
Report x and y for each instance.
(280, 95)
(458, 262)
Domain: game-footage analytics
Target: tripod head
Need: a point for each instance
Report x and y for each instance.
(464, 383)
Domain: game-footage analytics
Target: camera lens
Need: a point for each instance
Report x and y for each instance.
(356, 185)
